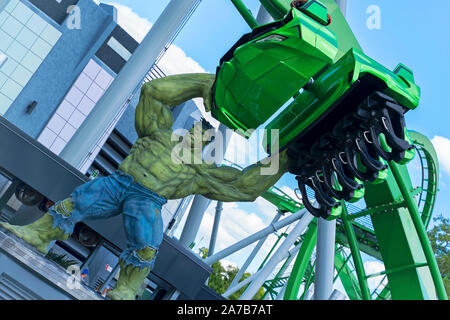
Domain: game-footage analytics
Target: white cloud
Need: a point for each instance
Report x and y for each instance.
(174, 61)
(265, 207)
(235, 225)
(131, 22)
(442, 146)
(372, 267)
(227, 264)
(290, 192)
(238, 224)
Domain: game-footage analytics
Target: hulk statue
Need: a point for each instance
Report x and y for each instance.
(146, 179)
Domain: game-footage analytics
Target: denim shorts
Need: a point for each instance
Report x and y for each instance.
(116, 194)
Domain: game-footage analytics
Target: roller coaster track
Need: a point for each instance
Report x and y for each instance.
(430, 175)
(366, 235)
(391, 227)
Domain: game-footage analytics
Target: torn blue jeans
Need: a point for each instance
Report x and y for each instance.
(110, 196)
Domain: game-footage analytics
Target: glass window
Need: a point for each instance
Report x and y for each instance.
(41, 48)
(87, 89)
(27, 37)
(21, 75)
(22, 13)
(20, 28)
(5, 102)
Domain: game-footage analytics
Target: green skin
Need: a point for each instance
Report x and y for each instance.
(150, 163)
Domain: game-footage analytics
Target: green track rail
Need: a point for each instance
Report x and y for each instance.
(386, 231)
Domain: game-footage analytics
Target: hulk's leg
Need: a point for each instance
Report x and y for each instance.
(99, 198)
(42, 232)
(144, 229)
(131, 277)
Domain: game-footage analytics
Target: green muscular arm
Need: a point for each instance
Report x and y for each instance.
(228, 184)
(159, 95)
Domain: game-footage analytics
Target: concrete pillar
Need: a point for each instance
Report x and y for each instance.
(326, 236)
(215, 230)
(193, 221)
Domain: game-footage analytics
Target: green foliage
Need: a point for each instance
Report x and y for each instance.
(439, 237)
(60, 259)
(222, 277)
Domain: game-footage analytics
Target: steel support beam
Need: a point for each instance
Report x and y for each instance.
(255, 237)
(245, 13)
(303, 257)
(356, 255)
(132, 74)
(342, 6)
(282, 292)
(263, 16)
(280, 272)
(246, 281)
(421, 232)
(215, 230)
(277, 257)
(349, 282)
(193, 221)
(252, 254)
(326, 236)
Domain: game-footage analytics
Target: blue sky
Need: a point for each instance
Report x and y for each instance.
(412, 32)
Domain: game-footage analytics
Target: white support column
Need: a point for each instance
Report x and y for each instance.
(252, 254)
(240, 285)
(255, 237)
(277, 257)
(337, 295)
(244, 282)
(263, 16)
(193, 220)
(126, 81)
(326, 236)
(215, 230)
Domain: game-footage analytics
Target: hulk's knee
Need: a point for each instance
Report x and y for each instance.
(64, 207)
(147, 253)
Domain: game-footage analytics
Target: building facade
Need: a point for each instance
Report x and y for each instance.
(61, 56)
(57, 59)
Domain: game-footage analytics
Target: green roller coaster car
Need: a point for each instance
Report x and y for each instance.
(341, 118)
(268, 66)
(339, 89)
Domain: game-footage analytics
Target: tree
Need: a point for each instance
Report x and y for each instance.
(439, 237)
(222, 277)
